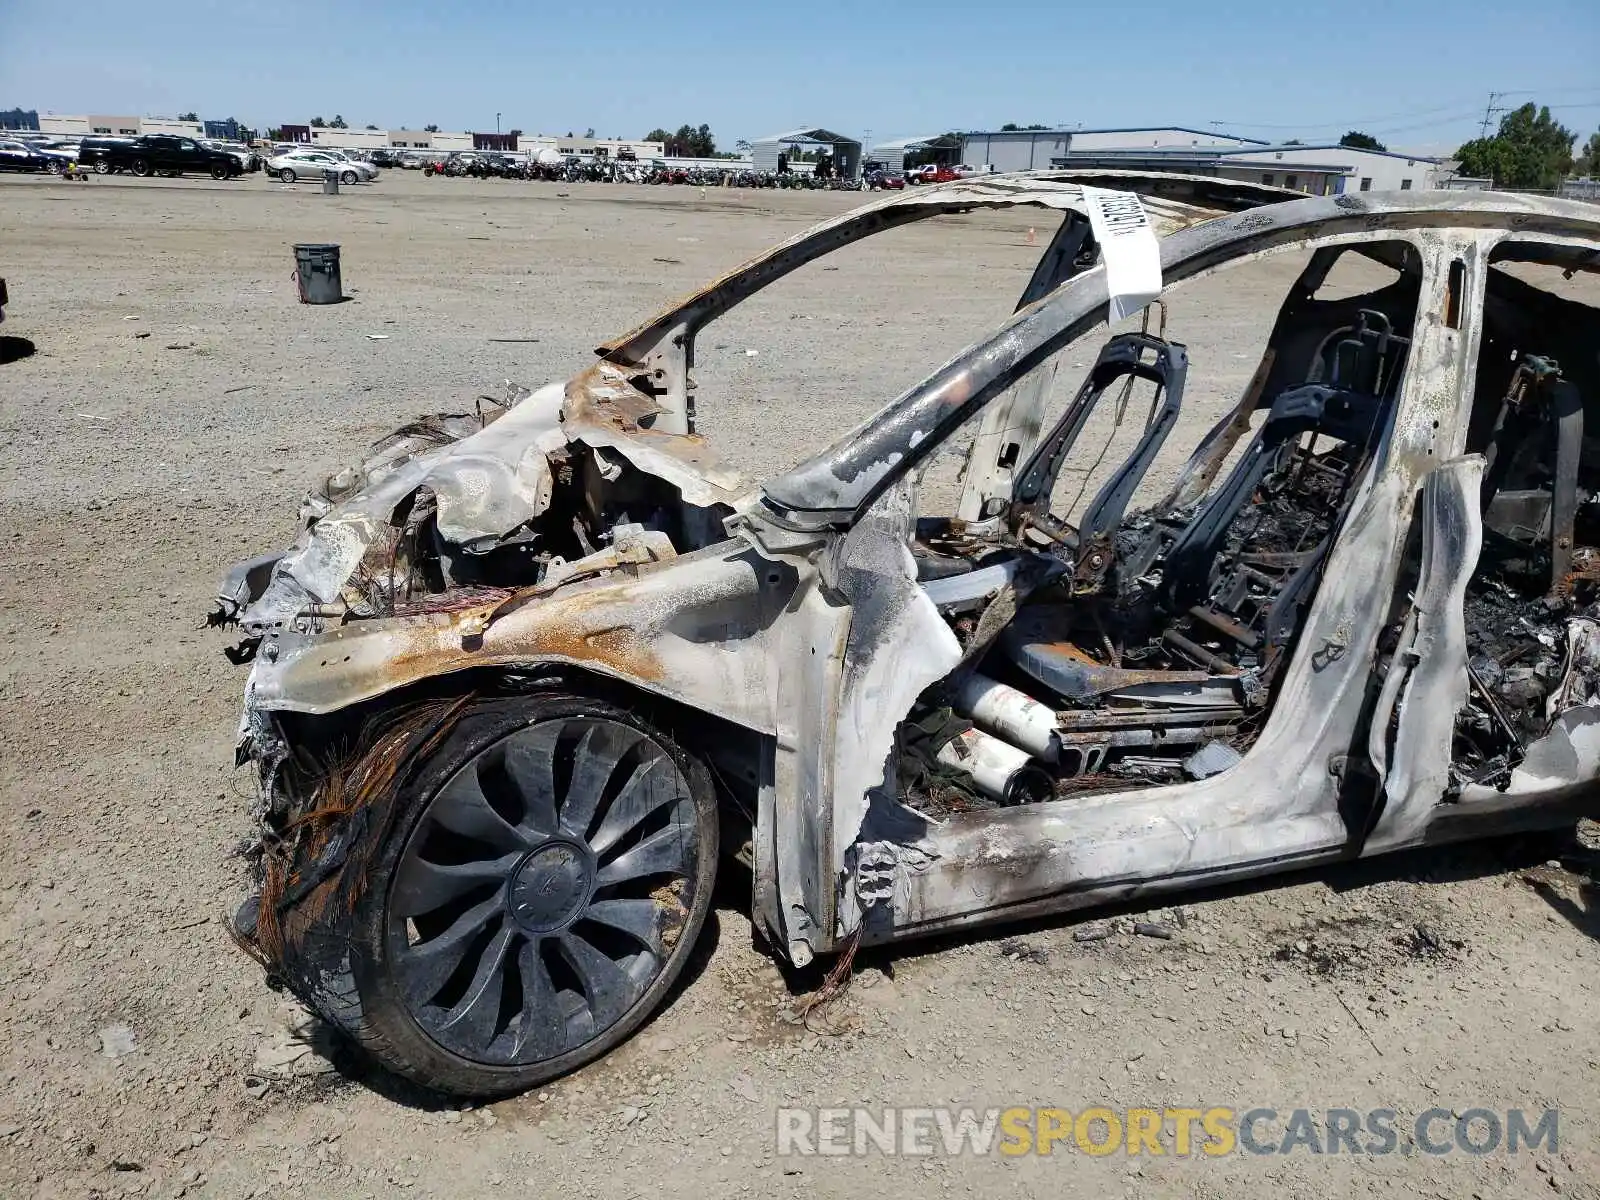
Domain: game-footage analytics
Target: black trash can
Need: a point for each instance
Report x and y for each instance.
(316, 269)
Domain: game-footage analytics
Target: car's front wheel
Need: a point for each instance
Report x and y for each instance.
(220, 171)
(102, 167)
(347, 178)
(287, 175)
(537, 891)
(141, 167)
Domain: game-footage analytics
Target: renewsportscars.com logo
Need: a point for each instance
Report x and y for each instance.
(1213, 1132)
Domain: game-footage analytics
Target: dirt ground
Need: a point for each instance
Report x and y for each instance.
(176, 405)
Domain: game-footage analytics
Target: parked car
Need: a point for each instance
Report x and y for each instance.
(523, 675)
(156, 154)
(61, 145)
(247, 158)
(23, 156)
(882, 179)
(310, 164)
(104, 155)
(350, 157)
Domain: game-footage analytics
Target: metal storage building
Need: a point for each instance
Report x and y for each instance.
(1320, 168)
(1367, 170)
(1329, 177)
(1038, 149)
(847, 151)
(946, 148)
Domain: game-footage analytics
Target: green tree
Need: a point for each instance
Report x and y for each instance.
(318, 123)
(1357, 140)
(589, 132)
(337, 123)
(1013, 127)
(1588, 163)
(1530, 150)
(188, 116)
(687, 142)
(371, 126)
(430, 129)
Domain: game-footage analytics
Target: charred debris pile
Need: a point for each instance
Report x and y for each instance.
(1531, 613)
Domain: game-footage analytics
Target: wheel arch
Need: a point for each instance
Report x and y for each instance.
(731, 753)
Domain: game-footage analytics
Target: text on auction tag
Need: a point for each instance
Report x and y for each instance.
(1128, 242)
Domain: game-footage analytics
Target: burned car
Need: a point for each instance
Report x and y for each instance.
(529, 673)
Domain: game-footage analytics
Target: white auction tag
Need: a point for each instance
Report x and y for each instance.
(1128, 242)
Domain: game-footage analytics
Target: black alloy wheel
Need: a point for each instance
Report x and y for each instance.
(538, 898)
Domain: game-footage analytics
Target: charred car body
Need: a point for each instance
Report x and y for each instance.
(525, 672)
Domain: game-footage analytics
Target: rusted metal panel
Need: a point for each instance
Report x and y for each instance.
(666, 630)
(604, 407)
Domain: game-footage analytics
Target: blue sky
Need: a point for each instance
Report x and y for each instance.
(1415, 73)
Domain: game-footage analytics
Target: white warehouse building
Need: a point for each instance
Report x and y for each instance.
(1040, 149)
(1366, 170)
(1323, 168)
(101, 125)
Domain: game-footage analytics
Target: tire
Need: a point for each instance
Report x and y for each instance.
(102, 167)
(287, 175)
(141, 167)
(220, 171)
(348, 178)
(491, 870)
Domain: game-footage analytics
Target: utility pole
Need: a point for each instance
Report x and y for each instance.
(1490, 113)
(497, 124)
